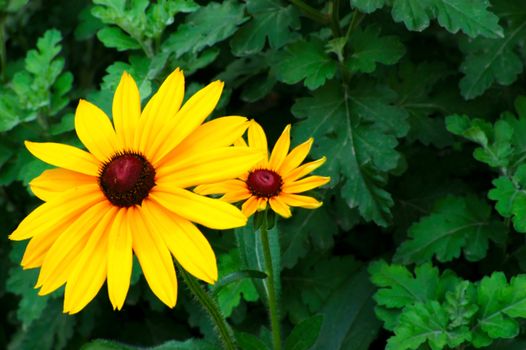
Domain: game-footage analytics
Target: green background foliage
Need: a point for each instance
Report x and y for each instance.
(418, 105)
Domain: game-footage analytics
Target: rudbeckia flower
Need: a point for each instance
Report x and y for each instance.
(275, 181)
(127, 194)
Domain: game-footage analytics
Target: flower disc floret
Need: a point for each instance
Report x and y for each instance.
(127, 179)
(264, 183)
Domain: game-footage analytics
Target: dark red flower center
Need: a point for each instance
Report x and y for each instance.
(127, 179)
(264, 183)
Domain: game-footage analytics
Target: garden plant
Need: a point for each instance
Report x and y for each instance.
(262, 174)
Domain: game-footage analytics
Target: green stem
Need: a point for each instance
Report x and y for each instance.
(223, 329)
(334, 12)
(311, 12)
(271, 289)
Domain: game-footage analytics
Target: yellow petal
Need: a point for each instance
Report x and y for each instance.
(54, 182)
(250, 206)
(61, 210)
(295, 200)
(154, 257)
(120, 259)
(64, 156)
(220, 132)
(192, 114)
(95, 131)
(303, 170)
(61, 258)
(159, 112)
(281, 148)
(280, 207)
(236, 196)
(185, 241)
(209, 166)
(221, 187)
(305, 184)
(89, 273)
(208, 212)
(295, 157)
(126, 110)
(258, 140)
(262, 203)
(39, 245)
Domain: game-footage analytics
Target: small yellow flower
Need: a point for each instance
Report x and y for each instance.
(127, 195)
(276, 181)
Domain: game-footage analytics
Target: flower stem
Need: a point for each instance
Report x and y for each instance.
(271, 289)
(311, 12)
(210, 306)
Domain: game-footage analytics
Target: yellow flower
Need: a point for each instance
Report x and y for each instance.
(127, 194)
(276, 181)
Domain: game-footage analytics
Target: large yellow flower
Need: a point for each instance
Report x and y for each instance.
(276, 180)
(127, 194)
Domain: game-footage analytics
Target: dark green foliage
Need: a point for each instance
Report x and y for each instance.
(418, 107)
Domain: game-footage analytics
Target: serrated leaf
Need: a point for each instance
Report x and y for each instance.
(271, 21)
(488, 61)
(368, 6)
(196, 34)
(230, 295)
(419, 323)
(416, 85)
(455, 224)
(359, 153)
(416, 14)
(499, 304)
(369, 48)
(510, 197)
(52, 331)
(304, 60)
(400, 288)
(470, 16)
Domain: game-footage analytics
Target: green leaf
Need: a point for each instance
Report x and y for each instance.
(369, 48)
(230, 295)
(419, 93)
(368, 6)
(115, 38)
(488, 61)
(499, 304)
(22, 283)
(251, 252)
(470, 16)
(416, 14)
(455, 224)
(247, 341)
(316, 282)
(271, 20)
(349, 321)
(302, 232)
(304, 335)
(205, 27)
(304, 60)
(52, 331)
(190, 344)
(510, 197)
(358, 142)
(460, 305)
(419, 323)
(400, 288)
